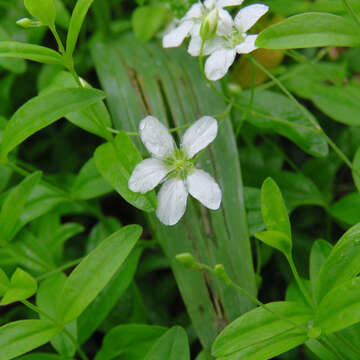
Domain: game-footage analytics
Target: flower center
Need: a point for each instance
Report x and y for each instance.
(235, 38)
(179, 164)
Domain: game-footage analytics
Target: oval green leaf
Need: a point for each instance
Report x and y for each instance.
(310, 30)
(42, 111)
(94, 273)
(115, 162)
(277, 240)
(260, 326)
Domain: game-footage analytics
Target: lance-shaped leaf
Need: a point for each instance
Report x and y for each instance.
(342, 264)
(173, 345)
(340, 308)
(273, 208)
(14, 205)
(42, 111)
(76, 21)
(19, 50)
(44, 10)
(115, 162)
(310, 30)
(22, 286)
(250, 335)
(94, 273)
(20, 337)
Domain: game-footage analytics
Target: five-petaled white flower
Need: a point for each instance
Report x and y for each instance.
(191, 23)
(223, 49)
(175, 166)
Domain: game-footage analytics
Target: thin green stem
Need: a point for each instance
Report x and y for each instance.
(58, 39)
(59, 269)
(299, 281)
(47, 316)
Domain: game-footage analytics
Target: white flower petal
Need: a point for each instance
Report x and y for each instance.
(199, 135)
(249, 15)
(225, 3)
(204, 188)
(218, 63)
(176, 36)
(147, 175)
(210, 45)
(172, 199)
(248, 45)
(156, 138)
(210, 4)
(195, 12)
(225, 23)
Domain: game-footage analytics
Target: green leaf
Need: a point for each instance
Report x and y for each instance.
(4, 282)
(22, 286)
(347, 209)
(19, 50)
(20, 337)
(94, 273)
(310, 30)
(98, 310)
(279, 114)
(44, 10)
(277, 240)
(94, 119)
(89, 183)
(340, 308)
(42, 111)
(320, 251)
(147, 20)
(76, 21)
(253, 332)
(44, 356)
(130, 342)
(273, 208)
(173, 345)
(115, 162)
(46, 300)
(356, 171)
(14, 206)
(293, 292)
(342, 264)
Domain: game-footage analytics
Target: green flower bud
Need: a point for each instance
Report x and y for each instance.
(187, 260)
(28, 23)
(221, 273)
(209, 25)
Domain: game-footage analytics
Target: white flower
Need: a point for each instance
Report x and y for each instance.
(190, 24)
(176, 167)
(223, 49)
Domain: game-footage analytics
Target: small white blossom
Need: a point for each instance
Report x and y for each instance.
(175, 167)
(223, 49)
(198, 14)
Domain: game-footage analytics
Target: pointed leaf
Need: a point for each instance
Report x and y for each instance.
(19, 50)
(342, 264)
(273, 208)
(14, 205)
(44, 10)
(310, 30)
(42, 111)
(22, 286)
(94, 273)
(20, 337)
